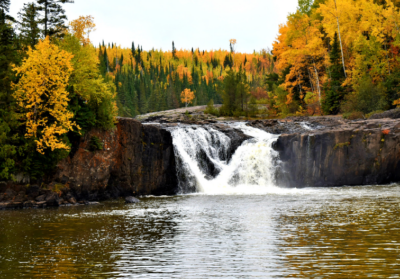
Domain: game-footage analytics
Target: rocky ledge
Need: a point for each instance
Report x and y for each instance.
(362, 152)
(18, 196)
(138, 159)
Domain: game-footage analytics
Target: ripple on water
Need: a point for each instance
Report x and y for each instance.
(321, 232)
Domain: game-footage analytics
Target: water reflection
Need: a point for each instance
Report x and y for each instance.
(310, 233)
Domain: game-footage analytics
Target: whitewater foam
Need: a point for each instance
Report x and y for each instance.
(250, 171)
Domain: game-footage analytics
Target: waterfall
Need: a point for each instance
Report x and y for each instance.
(204, 165)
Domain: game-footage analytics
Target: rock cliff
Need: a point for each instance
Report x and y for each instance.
(360, 152)
(136, 160)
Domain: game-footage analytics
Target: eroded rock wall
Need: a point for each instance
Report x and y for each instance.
(136, 160)
(355, 153)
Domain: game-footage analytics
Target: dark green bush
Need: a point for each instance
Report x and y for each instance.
(95, 144)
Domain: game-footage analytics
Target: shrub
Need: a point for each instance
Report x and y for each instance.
(353, 115)
(368, 98)
(95, 144)
(372, 113)
(210, 109)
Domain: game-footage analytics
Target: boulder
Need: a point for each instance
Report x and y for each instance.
(3, 186)
(131, 200)
(10, 194)
(40, 198)
(52, 199)
(41, 204)
(29, 203)
(72, 200)
(33, 191)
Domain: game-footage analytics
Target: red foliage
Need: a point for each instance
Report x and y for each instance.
(259, 93)
(386, 132)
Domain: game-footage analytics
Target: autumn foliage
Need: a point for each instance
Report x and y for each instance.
(187, 97)
(82, 27)
(326, 50)
(41, 94)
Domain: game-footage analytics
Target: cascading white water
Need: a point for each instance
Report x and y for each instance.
(203, 166)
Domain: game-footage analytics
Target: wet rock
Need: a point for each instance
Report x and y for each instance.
(40, 198)
(92, 203)
(20, 197)
(4, 205)
(52, 199)
(10, 205)
(33, 191)
(29, 203)
(131, 200)
(72, 200)
(41, 204)
(10, 194)
(3, 186)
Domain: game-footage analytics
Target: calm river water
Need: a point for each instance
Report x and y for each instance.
(348, 232)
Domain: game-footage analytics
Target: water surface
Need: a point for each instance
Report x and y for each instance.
(347, 232)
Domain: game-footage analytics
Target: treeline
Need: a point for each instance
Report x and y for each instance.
(149, 81)
(51, 89)
(337, 56)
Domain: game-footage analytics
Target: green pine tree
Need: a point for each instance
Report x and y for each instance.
(29, 25)
(333, 88)
(8, 117)
(53, 17)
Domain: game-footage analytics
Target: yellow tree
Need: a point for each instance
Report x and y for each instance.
(187, 97)
(88, 83)
(41, 94)
(304, 48)
(82, 27)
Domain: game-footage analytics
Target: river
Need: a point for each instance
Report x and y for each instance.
(346, 232)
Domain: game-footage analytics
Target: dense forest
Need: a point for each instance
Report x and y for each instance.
(338, 56)
(149, 81)
(329, 57)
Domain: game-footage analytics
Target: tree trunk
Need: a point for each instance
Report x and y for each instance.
(340, 40)
(45, 19)
(319, 89)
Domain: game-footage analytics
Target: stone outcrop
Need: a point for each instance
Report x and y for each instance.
(136, 160)
(352, 153)
(392, 114)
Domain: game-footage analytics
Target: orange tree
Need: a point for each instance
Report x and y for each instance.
(187, 97)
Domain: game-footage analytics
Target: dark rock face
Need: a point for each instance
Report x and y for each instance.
(237, 137)
(355, 153)
(136, 160)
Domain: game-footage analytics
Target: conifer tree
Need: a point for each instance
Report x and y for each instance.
(5, 6)
(53, 16)
(334, 89)
(8, 117)
(173, 50)
(133, 49)
(29, 25)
